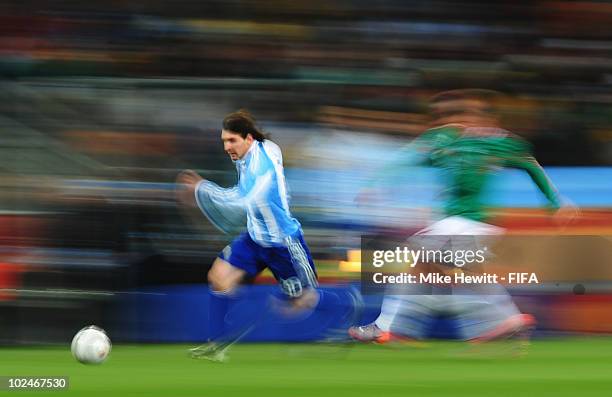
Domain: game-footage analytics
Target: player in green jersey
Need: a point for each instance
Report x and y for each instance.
(468, 146)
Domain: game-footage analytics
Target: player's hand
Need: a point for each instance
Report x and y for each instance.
(186, 183)
(188, 177)
(566, 215)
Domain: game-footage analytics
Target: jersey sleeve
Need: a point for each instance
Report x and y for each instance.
(223, 207)
(528, 163)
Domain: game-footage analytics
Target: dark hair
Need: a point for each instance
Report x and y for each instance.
(242, 123)
(490, 101)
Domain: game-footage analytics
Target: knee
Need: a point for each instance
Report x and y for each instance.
(308, 300)
(223, 279)
(217, 282)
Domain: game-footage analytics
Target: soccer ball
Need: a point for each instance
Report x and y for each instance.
(91, 345)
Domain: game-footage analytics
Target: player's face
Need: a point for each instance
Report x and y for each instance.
(235, 145)
(470, 112)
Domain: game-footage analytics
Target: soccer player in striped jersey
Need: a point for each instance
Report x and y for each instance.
(273, 237)
(468, 146)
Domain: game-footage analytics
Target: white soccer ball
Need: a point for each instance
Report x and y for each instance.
(91, 345)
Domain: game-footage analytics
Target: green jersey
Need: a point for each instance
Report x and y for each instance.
(469, 157)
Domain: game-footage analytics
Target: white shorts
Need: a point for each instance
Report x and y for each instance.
(456, 233)
(459, 226)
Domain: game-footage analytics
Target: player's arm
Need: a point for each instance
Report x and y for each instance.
(191, 186)
(565, 211)
(186, 183)
(224, 207)
(539, 177)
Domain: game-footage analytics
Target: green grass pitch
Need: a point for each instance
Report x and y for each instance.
(553, 367)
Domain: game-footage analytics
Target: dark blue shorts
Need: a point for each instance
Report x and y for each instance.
(291, 265)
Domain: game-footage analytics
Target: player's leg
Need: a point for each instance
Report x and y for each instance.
(233, 263)
(223, 277)
(293, 267)
(487, 314)
(295, 271)
(487, 311)
(405, 314)
(229, 268)
(407, 308)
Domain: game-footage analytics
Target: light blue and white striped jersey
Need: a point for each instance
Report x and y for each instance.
(260, 196)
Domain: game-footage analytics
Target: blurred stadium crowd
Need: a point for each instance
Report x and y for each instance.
(103, 102)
